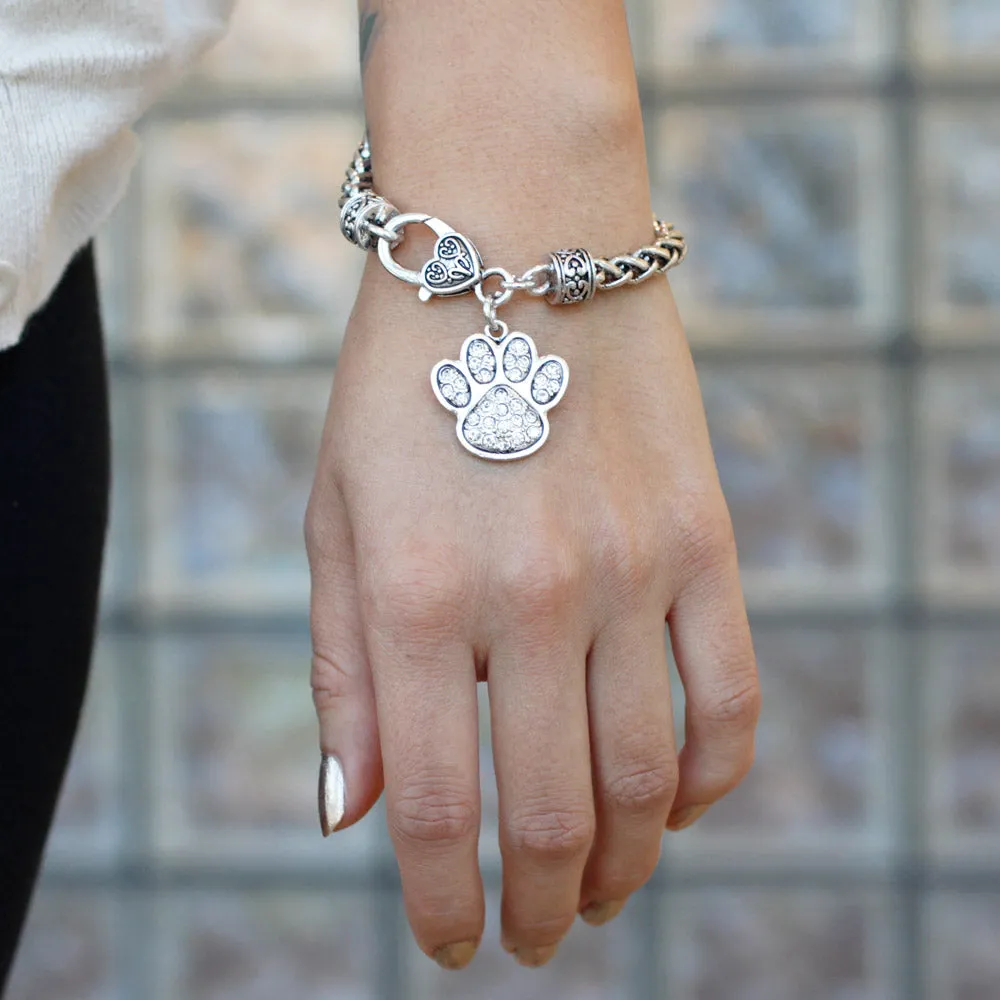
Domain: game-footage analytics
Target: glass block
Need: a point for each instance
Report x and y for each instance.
(963, 749)
(959, 534)
(242, 254)
(230, 466)
(114, 253)
(963, 962)
(958, 281)
(961, 36)
(746, 36)
(765, 944)
(291, 44)
(68, 948)
(120, 572)
(591, 964)
(259, 945)
(88, 822)
(819, 787)
(786, 213)
(236, 756)
(801, 453)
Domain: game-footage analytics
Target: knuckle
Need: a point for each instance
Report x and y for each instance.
(736, 703)
(540, 580)
(316, 527)
(414, 594)
(552, 834)
(703, 531)
(433, 812)
(329, 679)
(647, 785)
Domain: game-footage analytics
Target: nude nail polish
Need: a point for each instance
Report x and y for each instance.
(332, 793)
(533, 958)
(598, 914)
(456, 956)
(686, 817)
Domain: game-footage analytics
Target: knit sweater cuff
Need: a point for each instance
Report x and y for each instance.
(56, 191)
(74, 78)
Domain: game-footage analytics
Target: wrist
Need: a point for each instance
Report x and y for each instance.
(522, 130)
(523, 191)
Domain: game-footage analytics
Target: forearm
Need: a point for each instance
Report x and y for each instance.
(518, 123)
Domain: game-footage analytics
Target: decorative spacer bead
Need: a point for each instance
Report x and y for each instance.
(574, 277)
(350, 211)
(364, 208)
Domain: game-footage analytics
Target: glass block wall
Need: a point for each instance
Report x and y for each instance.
(837, 168)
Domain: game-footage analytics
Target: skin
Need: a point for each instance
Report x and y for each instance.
(549, 578)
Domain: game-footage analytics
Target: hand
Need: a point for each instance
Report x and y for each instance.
(550, 578)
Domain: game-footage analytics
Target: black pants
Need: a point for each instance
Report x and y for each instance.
(54, 476)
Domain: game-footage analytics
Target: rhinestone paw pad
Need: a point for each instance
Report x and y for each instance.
(500, 392)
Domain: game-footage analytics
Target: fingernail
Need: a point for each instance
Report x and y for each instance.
(597, 914)
(456, 956)
(332, 793)
(534, 957)
(686, 817)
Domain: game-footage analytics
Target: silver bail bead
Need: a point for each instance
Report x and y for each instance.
(358, 212)
(574, 277)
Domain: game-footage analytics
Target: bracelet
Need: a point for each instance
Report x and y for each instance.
(501, 390)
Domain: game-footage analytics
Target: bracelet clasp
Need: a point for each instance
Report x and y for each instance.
(455, 268)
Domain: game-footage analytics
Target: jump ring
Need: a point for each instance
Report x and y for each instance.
(393, 238)
(490, 311)
(498, 324)
(532, 273)
(498, 298)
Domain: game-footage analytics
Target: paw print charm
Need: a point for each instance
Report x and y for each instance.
(501, 392)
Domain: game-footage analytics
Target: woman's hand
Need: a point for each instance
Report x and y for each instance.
(550, 578)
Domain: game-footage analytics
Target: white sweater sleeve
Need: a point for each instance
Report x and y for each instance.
(75, 75)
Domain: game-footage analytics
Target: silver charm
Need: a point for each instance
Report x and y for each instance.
(574, 277)
(501, 392)
(456, 266)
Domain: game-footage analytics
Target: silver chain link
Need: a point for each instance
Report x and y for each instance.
(359, 173)
(667, 250)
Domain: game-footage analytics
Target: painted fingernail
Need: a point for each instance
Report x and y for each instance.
(535, 957)
(332, 793)
(456, 956)
(684, 818)
(597, 914)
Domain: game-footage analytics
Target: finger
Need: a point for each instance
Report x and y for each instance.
(351, 762)
(538, 708)
(634, 759)
(711, 641)
(425, 686)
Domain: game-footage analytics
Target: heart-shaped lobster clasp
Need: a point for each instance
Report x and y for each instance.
(456, 266)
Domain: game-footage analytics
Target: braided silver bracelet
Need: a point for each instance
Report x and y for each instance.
(500, 390)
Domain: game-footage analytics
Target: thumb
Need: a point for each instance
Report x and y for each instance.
(350, 779)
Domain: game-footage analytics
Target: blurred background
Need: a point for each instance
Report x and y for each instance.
(836, 166)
